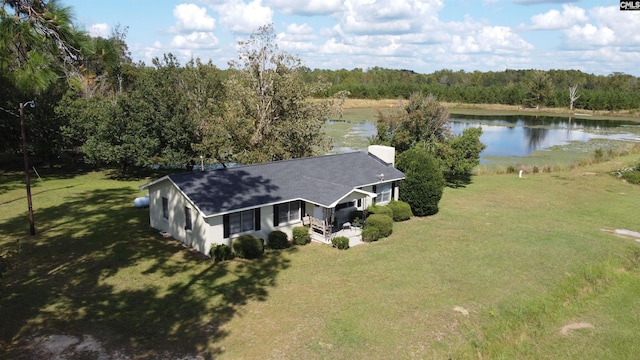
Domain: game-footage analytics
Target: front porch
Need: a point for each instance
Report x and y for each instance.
(354, 235)
(323, 233)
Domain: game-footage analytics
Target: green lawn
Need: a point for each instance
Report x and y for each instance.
(497, 273)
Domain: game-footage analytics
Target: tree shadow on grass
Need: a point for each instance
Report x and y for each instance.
(460, 181)
(96, 268)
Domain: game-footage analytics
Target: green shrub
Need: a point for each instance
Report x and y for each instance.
(278, 240)
(598, 154)
(379, 209)
(221, 252)
(301, 235)
(356, 214)
(248, 247)
(536, 170)
(340, 242)
(511, 169)
(401, 210)
(370, 233)
(632, 177)
(383, 223)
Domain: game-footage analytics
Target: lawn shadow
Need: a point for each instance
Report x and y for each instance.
(15, 179)
(97, 268)
(460, 181)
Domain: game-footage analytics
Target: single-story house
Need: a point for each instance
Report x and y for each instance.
(206, 208)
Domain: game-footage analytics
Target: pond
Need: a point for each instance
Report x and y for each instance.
(505, 136)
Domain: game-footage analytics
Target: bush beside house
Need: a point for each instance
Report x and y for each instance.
(221, 252)
(401, 210)
(248, 247)
(383, 223)
(378, 209)
(370, 234)
(340, 242)
(301, 235)
(278, 240)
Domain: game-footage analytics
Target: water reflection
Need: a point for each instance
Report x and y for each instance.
(503, 135)
(522, 135)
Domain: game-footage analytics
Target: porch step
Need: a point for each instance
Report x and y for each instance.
(319, 238)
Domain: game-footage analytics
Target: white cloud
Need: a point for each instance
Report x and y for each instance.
(306, 7)
(100, 30)
(625, 24)
(296, 29)
(490, 39)
(242, 18)
(554, 19)
(191, 17)
(412, 34)
(535, 2)
(387, 16)
(297, 38)
(589, 35)
(195, 40)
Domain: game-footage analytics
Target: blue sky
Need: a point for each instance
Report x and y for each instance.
(424, 36)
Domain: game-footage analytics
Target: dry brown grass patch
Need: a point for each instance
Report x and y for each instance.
(569, 328)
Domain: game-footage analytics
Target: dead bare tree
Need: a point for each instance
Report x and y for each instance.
(573, 90)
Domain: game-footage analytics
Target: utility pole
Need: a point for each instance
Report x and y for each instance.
(32, 226)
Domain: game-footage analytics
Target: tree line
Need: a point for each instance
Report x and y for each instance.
(94, 104)
(105, 110)
(616, 91)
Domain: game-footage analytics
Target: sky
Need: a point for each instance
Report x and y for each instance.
(424, 36)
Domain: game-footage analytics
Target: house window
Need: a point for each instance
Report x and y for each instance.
(344, 205)
(188, 225)
(287, 212)
(241, 221)
(165, 208)
(384, 193)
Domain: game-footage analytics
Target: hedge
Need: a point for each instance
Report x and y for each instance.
(378, 209)
(370, 234)
(401, 210)
(383, 223)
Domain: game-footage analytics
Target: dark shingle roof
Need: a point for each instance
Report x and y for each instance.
(322, 180)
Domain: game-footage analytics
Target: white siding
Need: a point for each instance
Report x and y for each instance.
(215, 233)
(395, 193)
(266, 227)
(174, 225)
(367, 201)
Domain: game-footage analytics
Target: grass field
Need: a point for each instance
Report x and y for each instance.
(498, 273)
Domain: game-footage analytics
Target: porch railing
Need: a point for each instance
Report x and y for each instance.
(321, 227)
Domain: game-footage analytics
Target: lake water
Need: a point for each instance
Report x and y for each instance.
(514, 135)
